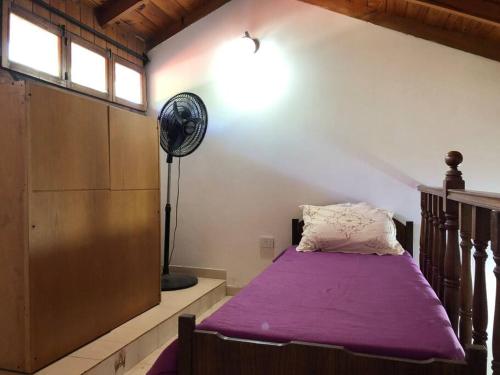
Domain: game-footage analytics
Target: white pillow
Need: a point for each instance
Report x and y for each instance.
(349, 228)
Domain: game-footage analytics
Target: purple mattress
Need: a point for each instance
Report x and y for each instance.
(368, 303)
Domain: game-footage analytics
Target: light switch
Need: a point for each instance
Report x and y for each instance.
(266, 242)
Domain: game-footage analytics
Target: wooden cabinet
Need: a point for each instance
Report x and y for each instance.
(79, 222)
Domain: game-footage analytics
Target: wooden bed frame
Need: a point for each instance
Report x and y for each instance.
(445, 263)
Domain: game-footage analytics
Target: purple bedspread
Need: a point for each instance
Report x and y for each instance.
(368, 303)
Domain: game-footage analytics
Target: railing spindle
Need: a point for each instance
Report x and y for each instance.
(428, 239)
(495, 246)
(442, 248)
(465, 329)
(481, 235)
(435, 243)
(453, 180)
(422, 232)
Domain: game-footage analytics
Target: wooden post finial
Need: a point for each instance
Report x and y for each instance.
(453, 159)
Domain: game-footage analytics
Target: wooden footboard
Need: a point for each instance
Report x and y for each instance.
(209, 353)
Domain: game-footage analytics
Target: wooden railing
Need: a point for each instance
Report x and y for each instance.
(447, 214)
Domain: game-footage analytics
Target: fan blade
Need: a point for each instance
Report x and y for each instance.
(175, 135)
(177, 115)
(177, 142)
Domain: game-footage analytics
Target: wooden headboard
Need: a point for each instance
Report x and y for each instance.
(404, 233)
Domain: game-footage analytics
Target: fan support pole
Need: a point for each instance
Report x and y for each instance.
(172, 281)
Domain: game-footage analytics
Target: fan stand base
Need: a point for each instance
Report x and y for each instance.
(175, 281)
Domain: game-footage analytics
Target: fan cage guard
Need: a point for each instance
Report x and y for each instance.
(193, 104)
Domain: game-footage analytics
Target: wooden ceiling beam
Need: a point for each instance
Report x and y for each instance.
(481, 10)
(206, 7)
(479, 46)
(375, 12)
(348, 7)
(111, 10)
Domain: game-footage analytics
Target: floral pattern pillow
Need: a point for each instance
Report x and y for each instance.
(349, 228)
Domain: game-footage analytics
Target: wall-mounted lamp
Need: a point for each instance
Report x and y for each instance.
(247, 80)
(251, 44)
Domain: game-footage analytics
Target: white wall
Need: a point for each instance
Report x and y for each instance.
(330, 109)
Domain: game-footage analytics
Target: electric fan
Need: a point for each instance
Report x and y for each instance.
(183, 123)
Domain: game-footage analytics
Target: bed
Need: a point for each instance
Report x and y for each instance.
(334, 313)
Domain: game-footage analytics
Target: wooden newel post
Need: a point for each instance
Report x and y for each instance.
(495, 246)
(453, 180)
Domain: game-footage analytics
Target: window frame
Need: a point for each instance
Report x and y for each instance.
(72, 38)
(120, 60)
(8, 9)
(64, 79)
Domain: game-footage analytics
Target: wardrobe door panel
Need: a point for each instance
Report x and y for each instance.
(134, 236)
(134, 150)
(95, 264)
(69, 141)
(69, 283)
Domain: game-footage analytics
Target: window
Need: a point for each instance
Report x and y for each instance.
(88, 68)
(37, 47)
(128, 84)
(33, 46)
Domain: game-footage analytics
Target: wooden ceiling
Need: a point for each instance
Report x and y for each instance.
(153, 20)
(469, 25)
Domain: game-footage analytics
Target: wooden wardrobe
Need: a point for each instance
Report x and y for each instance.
(79, 221)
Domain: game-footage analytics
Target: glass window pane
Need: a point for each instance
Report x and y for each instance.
(88, 68)
(128, 84)
(33, 46)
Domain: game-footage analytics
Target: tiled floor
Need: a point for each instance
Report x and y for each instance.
(122, 349)
(142, 367)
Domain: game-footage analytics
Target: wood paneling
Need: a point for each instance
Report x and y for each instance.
(134, 163)
(13, 225)
(91, 259)
(69, 141)
(113, 9)
(482, 9)
(469, 25)
(154, 20)
(173, 28)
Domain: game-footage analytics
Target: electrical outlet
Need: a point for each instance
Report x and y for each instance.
(266, 242)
